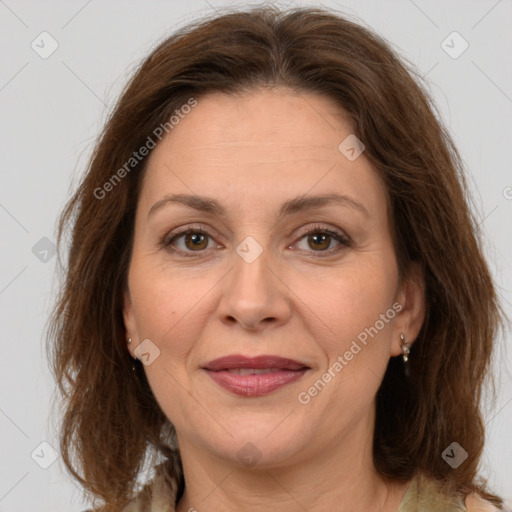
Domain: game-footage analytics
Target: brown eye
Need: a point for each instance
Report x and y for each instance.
(319, 241)
(196, 241)
(323, 241)
(187, 242)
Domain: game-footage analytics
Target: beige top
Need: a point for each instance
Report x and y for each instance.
(422, 495)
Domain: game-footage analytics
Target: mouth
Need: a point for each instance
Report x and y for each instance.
(257, 376)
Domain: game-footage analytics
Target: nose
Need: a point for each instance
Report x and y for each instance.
(254, 296)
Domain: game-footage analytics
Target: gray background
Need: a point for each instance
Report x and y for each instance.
(52, 109)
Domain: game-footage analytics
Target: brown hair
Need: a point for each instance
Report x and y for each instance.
(111, 419)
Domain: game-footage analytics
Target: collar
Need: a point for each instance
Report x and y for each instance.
(423, 494)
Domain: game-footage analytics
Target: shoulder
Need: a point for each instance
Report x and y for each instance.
(474, 503)
(425, 494)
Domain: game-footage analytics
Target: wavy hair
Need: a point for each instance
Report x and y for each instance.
(111, 421)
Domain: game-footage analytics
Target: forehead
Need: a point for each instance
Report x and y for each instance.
(268, 119)
(262, 144)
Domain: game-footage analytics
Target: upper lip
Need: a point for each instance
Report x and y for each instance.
(259, 362)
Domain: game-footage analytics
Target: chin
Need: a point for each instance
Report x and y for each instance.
(258, 443)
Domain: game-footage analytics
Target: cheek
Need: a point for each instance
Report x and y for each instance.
(171, 309)
(353, 323)
(347, 303)
(161, 297)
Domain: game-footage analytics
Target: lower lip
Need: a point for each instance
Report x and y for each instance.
(255, 385)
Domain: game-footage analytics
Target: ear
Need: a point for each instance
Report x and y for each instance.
(130, 324)
(409, 320)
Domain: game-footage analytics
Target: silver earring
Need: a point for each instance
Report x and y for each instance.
(134, 358)
(406, 348)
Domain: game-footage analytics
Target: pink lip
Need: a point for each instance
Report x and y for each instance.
(286, 372)
(262, 362)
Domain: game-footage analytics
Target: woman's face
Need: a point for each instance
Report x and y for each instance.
(290, 257)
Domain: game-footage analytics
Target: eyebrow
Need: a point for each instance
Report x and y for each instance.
(290, 207)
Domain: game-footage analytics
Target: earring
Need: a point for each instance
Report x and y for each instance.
(406, 348)
(134, 358)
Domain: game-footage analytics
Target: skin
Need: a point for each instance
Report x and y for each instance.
(251, 153)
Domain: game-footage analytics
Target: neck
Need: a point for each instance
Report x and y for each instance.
(341, 477)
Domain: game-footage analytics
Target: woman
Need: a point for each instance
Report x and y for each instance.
(275, 294)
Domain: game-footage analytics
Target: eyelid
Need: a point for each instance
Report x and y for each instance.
(204, 228)
(324, 228)
(182, 230)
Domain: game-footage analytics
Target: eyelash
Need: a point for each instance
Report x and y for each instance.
(167, 241)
